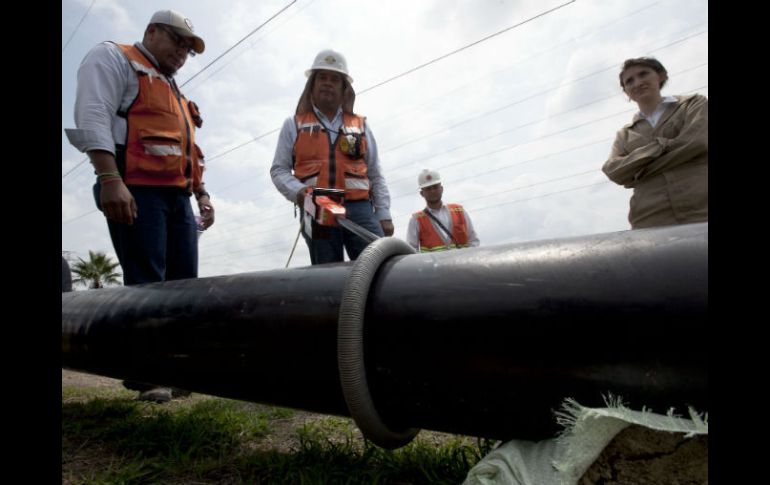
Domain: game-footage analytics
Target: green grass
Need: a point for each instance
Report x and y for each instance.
(107, 438)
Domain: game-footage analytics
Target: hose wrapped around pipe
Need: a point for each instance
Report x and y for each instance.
(350, 344)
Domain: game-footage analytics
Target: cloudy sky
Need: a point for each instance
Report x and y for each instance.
(518, 124)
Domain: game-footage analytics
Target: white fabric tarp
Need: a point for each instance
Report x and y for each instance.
(564, 459)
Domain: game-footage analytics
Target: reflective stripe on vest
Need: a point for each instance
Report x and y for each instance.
(315, 164)
(430, 240)
(160, 141)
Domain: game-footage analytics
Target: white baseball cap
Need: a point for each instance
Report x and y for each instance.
(181, 25)
(428, 178)
(331, 61)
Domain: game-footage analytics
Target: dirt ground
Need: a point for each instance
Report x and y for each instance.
(81, 379)
(642, 456)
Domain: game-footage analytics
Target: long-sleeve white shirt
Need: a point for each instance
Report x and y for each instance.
(106, 84)
(289, 185)
(442, 214)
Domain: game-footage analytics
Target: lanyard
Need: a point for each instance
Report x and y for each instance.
(447, 231)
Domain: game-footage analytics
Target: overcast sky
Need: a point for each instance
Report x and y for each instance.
(518, 125)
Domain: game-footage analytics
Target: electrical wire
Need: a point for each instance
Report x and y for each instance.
(78, 25)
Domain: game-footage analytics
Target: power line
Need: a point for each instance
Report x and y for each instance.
(479, 209)
(541, 196)
(515, 145)
(547, 118)
(78, 25)
(464, 120)
(76, 166)
(232, 59)
(521, 187)
(516, 164)
(78, 217)
(502, 149)
(206, 67)
(496, 169)
(521, 61)
(519, 101)
(505, 148)
(465, 47)
(256, 138)
(421, 66)
(243, 235)
(237, 43)
(509, 147)
(218, 255)
(465, 178)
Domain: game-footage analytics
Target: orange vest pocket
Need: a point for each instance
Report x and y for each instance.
(161, 154)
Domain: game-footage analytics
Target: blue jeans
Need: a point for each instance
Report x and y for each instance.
(162, 244)
(330, 250)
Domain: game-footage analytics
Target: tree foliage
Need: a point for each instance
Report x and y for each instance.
(97, 272)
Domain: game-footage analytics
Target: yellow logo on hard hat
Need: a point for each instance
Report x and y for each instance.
(330, 59)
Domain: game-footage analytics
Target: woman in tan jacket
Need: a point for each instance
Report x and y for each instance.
(663, 153)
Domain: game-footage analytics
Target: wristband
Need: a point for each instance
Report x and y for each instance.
(104, 175)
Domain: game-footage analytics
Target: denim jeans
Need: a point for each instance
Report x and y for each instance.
(330, 250)
(161, 244)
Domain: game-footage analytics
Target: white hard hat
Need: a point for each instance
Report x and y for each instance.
(331, 61)
(428, 178)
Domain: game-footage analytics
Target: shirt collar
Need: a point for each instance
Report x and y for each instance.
(659, 107)
(320, 114)
(436, 210)
(147, 54)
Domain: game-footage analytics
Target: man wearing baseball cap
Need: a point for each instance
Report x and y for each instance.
(138, 130)
(325, 144)
(439, 227)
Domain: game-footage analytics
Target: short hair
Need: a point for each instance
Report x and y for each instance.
(650, 62)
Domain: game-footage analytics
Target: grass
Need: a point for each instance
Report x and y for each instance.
(108, 438)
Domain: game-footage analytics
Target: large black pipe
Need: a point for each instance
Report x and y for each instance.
(485, 341)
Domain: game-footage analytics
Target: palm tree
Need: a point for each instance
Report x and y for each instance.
(97, 272)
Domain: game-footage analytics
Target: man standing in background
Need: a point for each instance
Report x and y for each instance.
(439, 227)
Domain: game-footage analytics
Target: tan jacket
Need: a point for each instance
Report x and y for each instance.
(667, 166)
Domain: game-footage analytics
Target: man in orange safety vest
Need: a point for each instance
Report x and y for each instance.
(439, 226)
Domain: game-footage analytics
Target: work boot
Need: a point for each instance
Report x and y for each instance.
(138, 386)
(143, 386)
(176, 392)
(158, 395)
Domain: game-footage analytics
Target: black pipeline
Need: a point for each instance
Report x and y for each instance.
(484, 341)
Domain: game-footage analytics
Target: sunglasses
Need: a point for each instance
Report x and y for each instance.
(178, 40)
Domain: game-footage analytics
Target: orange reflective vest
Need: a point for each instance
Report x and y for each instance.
(429, 237)
(160, 145)
(319, 163)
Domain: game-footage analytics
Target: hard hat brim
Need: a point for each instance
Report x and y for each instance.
(310, 71)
